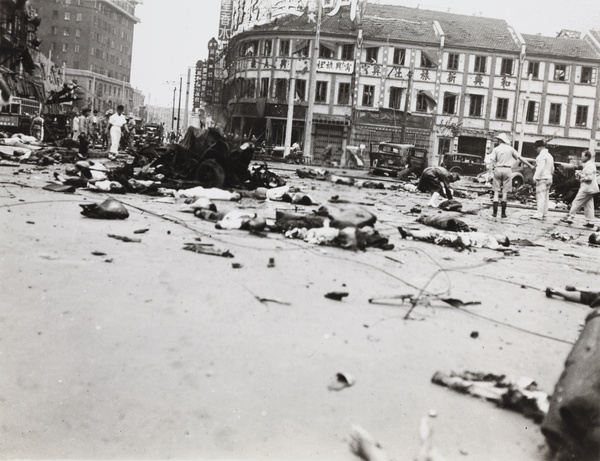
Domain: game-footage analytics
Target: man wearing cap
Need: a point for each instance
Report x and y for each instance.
(500, 165)
(544, 169)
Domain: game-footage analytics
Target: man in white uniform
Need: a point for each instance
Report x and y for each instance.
(116, 122)
(544, 169)
(587, 190)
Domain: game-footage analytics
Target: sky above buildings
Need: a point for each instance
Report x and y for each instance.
(173, 34)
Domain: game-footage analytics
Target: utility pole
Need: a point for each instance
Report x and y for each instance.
(173, 116)
(179, 105)
(524, 114)
(187, 100)
(406, 106)
(308, 126)
(290, 113)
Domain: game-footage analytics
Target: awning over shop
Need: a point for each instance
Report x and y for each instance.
(299, 45)
(431, 57)
(429, 99)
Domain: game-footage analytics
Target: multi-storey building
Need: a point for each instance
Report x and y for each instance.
(448, 82)
(93, 40)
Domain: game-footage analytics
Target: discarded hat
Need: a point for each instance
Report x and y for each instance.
(109, 112)
(502, 137)
(109, 209)
(539, 143)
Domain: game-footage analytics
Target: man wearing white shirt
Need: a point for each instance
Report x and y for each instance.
(587, 190)
(544, 169)
(116, 122)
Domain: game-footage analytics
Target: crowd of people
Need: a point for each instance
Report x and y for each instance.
(500, 161)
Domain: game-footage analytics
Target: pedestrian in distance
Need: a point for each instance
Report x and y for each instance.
(84, 132)
(437, 179)
(116, 122)
(500, 165)
(37, 127)
(587, 190)
(75, 127)
(544, 169)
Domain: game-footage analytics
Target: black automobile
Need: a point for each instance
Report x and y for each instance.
(391, 158)
(464, 164)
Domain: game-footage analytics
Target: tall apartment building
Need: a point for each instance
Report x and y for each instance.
(92, 40)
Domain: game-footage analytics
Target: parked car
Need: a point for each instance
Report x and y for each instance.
(391, 158)
(464, 164)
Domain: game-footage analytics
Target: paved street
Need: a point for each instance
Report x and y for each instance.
(150, 351)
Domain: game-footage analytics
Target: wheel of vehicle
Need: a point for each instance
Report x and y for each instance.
(517, 181)
(375, 163)
(210, 174)
(456, 169)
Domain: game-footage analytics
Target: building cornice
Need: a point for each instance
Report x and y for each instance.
(133, 17)
(90, 74)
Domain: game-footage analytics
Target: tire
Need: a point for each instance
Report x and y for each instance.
(210, 174)
(517, 182)
(456, 169)
(375, 162)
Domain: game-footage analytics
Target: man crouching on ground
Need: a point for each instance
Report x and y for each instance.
(437, 179)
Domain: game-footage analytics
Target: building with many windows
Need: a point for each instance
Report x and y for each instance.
(92, 40)
(449, 82)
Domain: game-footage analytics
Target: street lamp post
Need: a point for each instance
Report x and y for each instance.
(179, 105)
(173, 115)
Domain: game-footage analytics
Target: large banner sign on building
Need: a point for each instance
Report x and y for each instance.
(225, 20)
(245, 14)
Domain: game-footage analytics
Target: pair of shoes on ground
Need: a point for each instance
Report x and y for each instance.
(567, 220)
(589, 225)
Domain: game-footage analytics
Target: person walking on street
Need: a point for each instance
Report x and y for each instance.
(37, 127)
(84, 131)
(76, 127)
(116, 122)
(500, 165)
(587, 190)
(104, 129)
(544, 169)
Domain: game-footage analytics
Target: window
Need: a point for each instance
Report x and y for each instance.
(372, 54)
(344, 93)
(268, 48)
(281, 89)
(55, 14)
(506, 67)
(77, 48)
(368, 95)
(67, 2)
(421, 103)
(321, 95)
(453, 61)
(588, 75)
(502, 109)
(554, 116)
(475, 105)
(581, 116)
(348, 52)
(450, 105)
(54, 30)
(264, 87)
(53, 46)
(399, 56)
(395, 97)
(67, 15)
(425, 61)
(75, 64)
(301, 89)
(533, 110)
(65, 47)
(66, 31)
(480, 64)
(249, 48)
(533, 69)
(251, 89)
(77, 32)
(78, 17)
(560, 73)
(325, 52)
(284, 47)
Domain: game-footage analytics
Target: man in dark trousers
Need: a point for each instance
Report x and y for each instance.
(437, 179)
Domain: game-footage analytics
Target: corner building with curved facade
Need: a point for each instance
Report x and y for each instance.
(461, 78)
